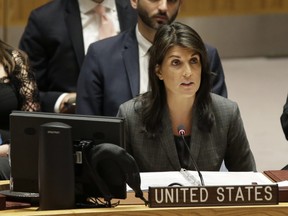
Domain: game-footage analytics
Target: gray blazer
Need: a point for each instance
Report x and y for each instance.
(227, 141)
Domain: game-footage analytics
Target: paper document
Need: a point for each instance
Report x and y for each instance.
(211, 178)
(283, 183)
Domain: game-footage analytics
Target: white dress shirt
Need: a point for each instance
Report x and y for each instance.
(143, 46)
(90, 25)
(91, 21)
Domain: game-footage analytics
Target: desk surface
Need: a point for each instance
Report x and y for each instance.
(132, 206)
(275, 210)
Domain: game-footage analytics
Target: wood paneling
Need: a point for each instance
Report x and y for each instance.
(15, 12)
(232, 7)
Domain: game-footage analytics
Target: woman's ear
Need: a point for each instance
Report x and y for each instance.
(158, 72)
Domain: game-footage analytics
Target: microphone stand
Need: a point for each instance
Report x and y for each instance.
(182, 132)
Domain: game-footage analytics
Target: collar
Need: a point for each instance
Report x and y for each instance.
(144, 44)
(86, 6)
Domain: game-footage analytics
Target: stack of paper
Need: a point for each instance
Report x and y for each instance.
(211, 178)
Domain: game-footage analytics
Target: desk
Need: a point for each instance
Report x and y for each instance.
(133, 207)
(135, 210)
(4, 185)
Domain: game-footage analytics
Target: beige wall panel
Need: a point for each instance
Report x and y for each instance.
(244, 36)
(13, 18)
(17, 11)
(232, 7)
(238, 28)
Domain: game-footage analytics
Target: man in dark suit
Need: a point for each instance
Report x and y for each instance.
(284, 119)
(120, 73)
(55, 42)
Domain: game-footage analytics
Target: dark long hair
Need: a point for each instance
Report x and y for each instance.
(154, 101)
(21, 78)
(6, 57)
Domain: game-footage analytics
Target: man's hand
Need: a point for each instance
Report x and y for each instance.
(4, 150)
(68, 104)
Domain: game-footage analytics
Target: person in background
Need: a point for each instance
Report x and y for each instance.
(57, 37)
(180, 102)
(284, 119)
(18, 91)
(121, 72)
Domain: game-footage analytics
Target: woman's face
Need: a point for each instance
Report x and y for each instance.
(180, 71)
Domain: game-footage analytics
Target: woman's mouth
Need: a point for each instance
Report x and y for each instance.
(186, 83)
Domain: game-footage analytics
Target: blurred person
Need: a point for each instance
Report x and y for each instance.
(57, 37)
(18, 91)
(284, 119)
(179, 101)
(121, 72)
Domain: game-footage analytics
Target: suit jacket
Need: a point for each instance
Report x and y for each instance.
(284, 119)
(227, 141)
(53, 40)
(107, 82)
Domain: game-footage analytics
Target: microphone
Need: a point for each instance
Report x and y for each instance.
(182, 132)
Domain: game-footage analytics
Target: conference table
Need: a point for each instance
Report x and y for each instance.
(141, 210)
(134, 206)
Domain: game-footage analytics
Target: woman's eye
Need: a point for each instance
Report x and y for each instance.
(194, 60)
(175, 62)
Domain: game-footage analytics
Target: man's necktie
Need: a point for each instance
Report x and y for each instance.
(106, 25)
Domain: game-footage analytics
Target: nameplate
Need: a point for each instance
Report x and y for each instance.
(213, 195)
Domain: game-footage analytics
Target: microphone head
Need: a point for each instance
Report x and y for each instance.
(181, 130)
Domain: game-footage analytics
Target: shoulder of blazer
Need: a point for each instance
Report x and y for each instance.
(55, 5)
(211, 51)
(117, 43)
(71, 6)
(126, 14)
(218, 100)
(52, 9)
(223, 106)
